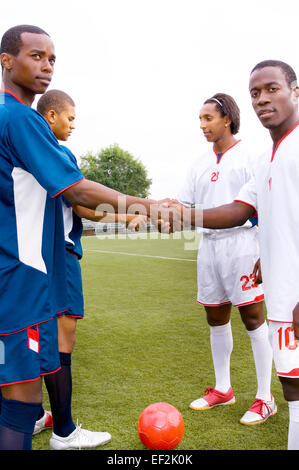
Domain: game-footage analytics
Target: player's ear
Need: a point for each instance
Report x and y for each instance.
(6, 61)
(51, 116)
(296, 91)
(227, 121)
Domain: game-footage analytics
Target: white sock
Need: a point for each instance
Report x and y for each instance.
(293, 439)
(221, 339)
(263, 354)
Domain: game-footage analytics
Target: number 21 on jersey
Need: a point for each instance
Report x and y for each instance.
(215, 176)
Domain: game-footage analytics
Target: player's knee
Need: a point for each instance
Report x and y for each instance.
(27, 392)
(218, 316)
(66, 334)
(251, 323)
(67, 342)
(252, 316)
(290, 388)
(72, 342)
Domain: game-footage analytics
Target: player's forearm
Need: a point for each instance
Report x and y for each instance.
(92, 195)
(124, 218)
(106, 217)
(226, 216)
(89, 214)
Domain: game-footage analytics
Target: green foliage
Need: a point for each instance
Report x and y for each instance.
(118, 170)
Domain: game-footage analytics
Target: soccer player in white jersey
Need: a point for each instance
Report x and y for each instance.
(273, 192)
(226, 259)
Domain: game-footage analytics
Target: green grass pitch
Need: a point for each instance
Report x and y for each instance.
(144, 339)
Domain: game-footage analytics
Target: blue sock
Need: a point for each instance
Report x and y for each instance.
(17, 422)
(41, 413)
(59, 386)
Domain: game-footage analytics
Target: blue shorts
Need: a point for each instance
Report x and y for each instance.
(74, 287)
(29, 353)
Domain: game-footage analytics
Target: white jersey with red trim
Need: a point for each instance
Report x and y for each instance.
(213, 180)
(274, 192)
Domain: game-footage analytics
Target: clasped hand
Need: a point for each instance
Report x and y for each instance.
(167, 215)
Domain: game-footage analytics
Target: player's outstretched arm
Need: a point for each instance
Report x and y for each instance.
(90, 194)
(221, 217)
(90, 214)
(94, 196)
(133, 221)
(227, 216)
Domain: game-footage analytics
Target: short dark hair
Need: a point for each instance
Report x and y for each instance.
(11, 42)
(227, 106)
(54, 99)
(288, 71)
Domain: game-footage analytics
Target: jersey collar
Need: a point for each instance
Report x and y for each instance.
(275, 147)
(218, 160)
(12, 94)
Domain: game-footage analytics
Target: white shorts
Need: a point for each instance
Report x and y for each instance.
(285, 349)
(225, 264)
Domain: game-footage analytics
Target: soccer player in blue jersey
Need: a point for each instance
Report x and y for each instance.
(34, 172)
(58, 108)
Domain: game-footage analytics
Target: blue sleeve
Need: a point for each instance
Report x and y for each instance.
(73, 160)
(71, 156)
(35, 149)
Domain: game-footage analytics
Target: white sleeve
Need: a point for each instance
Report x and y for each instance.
(247, 194)
(186, 194)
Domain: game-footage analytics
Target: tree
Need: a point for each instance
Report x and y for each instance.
(118, 170)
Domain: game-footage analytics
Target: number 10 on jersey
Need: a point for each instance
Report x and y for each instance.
(286, 338)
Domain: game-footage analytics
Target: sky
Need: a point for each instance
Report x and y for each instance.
(140, 70)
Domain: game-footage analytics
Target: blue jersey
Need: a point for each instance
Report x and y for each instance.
(73, 226)
(34, 171)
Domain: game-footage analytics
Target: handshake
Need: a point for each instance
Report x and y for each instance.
(169, 216)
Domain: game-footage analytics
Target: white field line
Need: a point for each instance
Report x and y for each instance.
(138, 254)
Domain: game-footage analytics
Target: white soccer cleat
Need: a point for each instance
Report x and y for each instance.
(79, 439)
(259, 412)
(46, 422)
(213, 398)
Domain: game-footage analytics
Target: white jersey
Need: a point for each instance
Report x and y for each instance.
(67, 212)
(213, 180)
(274, 192)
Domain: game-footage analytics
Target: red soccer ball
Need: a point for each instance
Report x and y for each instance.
(160, 426)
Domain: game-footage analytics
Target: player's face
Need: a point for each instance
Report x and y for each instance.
(272, 99)
(212, 123)
(64, 123)
(33, 67)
